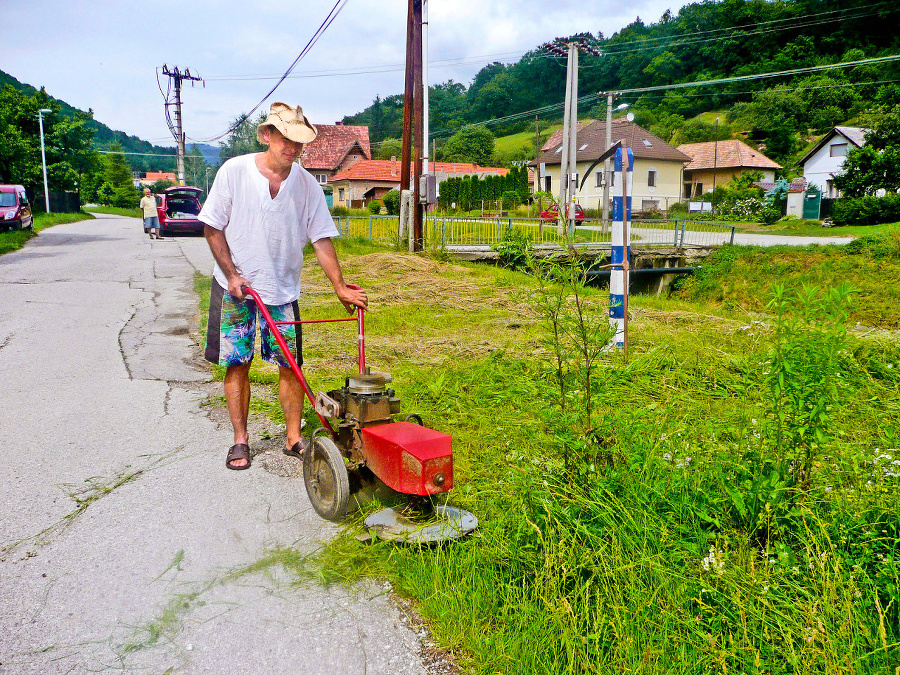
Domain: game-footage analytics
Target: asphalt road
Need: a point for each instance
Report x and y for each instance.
(122, 535)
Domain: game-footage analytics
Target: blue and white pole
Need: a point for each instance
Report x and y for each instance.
(621, 248)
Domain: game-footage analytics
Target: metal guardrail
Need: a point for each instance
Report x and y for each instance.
(474, 231)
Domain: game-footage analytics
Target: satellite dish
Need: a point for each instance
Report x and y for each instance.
(630, 117)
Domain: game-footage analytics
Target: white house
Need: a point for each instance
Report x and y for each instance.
(826, 159)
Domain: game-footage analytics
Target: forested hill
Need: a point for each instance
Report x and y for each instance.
(704, 41)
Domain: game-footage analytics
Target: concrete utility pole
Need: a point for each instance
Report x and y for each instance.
(178, 76)
(568, 169)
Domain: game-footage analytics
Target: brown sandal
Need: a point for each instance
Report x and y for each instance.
(236, 452)
(297, 449)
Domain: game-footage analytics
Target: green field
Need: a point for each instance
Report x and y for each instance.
(724, 500)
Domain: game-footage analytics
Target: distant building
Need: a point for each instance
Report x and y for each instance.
(657, 166)
(717, 162)
(151, 177)
(336, 148)
(826, 158)
(371, 179)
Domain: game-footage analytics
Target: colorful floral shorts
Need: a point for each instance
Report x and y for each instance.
(231, 332)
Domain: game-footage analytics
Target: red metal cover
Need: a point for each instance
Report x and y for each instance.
(409, 458)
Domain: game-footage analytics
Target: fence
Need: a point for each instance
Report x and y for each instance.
(472, 231)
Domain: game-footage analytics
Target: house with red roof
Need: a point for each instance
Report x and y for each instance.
(152, 176)
(366, 180)
(717, 162)
(336, 148)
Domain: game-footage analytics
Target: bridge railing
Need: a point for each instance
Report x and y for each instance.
(474, 231)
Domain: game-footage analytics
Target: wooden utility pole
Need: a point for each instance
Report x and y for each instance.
(413, 114)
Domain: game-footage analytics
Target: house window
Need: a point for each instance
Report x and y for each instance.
(599, 175)
(651, 178)
(612, 179)
(838, 150)
(340, 194)
(547, 184)
(322, 178)
(698, 189)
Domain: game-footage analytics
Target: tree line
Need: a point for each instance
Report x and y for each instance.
(703, 41)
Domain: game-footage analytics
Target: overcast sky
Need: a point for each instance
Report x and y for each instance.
(103, 54)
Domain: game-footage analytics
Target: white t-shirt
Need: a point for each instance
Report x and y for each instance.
(266, 236)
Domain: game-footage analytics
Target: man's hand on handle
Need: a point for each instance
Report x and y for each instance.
(352, 297)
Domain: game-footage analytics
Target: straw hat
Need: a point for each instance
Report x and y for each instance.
(290, 121)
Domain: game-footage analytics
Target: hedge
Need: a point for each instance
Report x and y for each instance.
(866, 210)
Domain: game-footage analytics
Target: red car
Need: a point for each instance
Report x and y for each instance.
(178, 208)
(15, 211)
(551, 214)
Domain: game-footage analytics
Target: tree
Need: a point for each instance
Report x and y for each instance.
(392, 147)
(242, 139)
(876, 165)
(470, 144)
(117, 175)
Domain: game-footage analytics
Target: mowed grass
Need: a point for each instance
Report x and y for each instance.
(645, 555)
(15, 239)
(116, 211)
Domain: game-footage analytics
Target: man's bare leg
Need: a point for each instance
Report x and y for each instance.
(290, 393)
(237, 396)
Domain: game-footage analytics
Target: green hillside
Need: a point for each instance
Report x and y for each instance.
(703, 41)
(104, 137)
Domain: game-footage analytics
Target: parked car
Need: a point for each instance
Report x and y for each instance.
(178, 208)
(551, 214)
(15, 211)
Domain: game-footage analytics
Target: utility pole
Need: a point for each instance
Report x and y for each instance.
(178, 76)
(568, 180)
(413, 125)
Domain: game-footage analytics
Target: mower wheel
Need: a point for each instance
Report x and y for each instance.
(325, 476)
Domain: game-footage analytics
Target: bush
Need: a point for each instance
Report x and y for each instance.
(866, 210)
(770, 215)
(374, 207)
(392, 202)
(510, 199)
(340, 211)
(678, 209)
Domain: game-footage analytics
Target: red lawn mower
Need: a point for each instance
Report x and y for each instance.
(361, 450)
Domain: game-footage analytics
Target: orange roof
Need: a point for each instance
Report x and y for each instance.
(332, 145)
(387, 170)
(725, 154)
(159, 175)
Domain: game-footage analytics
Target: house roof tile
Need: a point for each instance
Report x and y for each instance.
(725, 155)
(332, 145)
(591, 143)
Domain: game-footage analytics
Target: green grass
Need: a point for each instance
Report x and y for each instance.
(116, 211)
(14, 240)
(742, 277)
(645, 555)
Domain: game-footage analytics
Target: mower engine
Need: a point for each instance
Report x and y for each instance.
(407, 457)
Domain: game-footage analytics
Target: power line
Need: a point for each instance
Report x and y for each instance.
(332, 15)
(762, 76)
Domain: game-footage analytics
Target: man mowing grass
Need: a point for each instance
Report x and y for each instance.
(261, 212)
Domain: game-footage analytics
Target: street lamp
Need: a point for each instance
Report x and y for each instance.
(715, 168)
(44, 158)
(606, 173)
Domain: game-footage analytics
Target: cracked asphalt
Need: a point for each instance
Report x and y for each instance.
(120, 524)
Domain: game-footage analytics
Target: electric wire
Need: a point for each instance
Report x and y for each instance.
(329, 19)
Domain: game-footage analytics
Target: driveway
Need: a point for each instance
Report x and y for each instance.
(125, 540)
